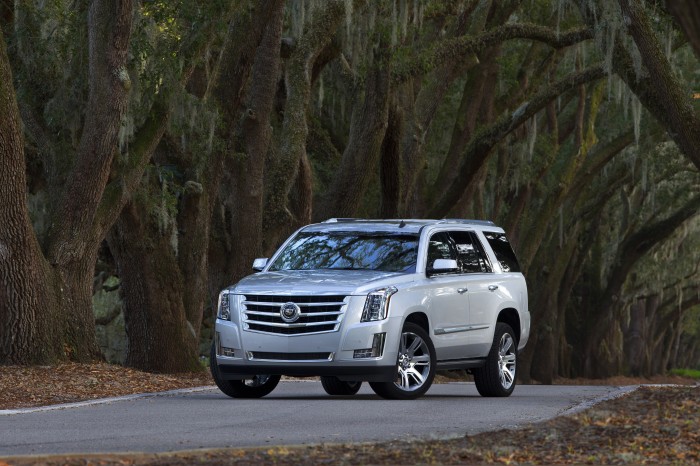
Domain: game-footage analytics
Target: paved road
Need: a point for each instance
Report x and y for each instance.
(295, 413)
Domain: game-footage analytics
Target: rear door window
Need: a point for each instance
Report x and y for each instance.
(503, 251)
(470, 254)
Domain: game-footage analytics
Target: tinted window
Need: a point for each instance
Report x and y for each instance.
(440, 247)
(504, 252)
(470, 254)
(349, 251)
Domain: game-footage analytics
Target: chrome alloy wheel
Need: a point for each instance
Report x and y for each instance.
(414, 362)
(506, 360)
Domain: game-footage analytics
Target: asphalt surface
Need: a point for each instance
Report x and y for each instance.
(295, 413)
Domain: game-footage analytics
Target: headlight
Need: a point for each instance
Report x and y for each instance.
(224, 307)
(377, 304)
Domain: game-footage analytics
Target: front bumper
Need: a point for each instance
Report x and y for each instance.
(354, 373)
(242, 353)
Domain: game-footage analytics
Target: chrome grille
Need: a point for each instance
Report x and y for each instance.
(319, 314)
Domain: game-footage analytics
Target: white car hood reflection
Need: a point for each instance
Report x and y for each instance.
(310, 281)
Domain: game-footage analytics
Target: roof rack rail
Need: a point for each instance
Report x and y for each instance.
(487, 223)
(340, 220)
(378, 220)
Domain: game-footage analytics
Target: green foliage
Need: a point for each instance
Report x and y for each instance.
(527, 177)
(692, 373)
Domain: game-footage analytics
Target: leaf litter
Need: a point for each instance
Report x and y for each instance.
(654, 424)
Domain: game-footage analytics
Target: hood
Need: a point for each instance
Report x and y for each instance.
(312, 282)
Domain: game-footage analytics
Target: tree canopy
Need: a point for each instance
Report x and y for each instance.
(171, 143)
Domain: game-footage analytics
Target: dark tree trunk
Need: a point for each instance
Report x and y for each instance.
(57, 322)
(360, 159)
(160, 338)
(630, 251)
(284, 166)
(27, 295)
(248, 173)
(479, 87)
(687, 15)
(232, 77)
(165, 285)
(390, 166)
(635, 338)
(194, 224)
(545, 361)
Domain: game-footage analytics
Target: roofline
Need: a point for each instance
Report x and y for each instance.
(487, 223)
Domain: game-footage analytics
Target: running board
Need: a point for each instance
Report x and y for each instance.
(454, 364)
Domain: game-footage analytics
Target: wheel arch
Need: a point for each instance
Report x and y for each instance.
(511, 317)
(419, 318)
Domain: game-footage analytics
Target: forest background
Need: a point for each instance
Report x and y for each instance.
(150, 150)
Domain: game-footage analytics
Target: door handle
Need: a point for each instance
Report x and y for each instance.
(462, 290)
(493, 287)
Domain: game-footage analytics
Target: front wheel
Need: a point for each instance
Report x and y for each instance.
(415, 368)
(335, 386)
(497, 377)
(256, 387)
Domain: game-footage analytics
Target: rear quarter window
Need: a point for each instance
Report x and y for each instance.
(503, 251)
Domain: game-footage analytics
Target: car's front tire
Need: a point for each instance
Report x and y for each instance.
(335, 386)
(256, 387)
(497, 377)
(415, 366)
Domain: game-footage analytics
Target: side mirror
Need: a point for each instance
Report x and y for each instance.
(259, 264)
(443, 266)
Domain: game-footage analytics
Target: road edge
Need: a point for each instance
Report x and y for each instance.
(102, 401)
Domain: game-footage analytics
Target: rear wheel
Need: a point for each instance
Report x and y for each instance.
(335, 386)
(497, 377)
(255, 387)
(415, 368)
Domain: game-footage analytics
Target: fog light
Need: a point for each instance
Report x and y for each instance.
(378, 345)
(375, 351)
(228, 352)
(362, 353)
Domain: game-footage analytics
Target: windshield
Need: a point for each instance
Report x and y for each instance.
(349, 251)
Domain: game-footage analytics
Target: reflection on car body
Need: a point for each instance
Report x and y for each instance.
(383, 301)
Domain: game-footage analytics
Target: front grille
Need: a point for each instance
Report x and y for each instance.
(290, 356)
(319, 314)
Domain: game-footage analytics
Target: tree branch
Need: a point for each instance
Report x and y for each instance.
(678, 113)
(456, 49)
(295, 129)
(126, 175)
(657, 88)
(687, 15)
(481, 145)
(109, 31)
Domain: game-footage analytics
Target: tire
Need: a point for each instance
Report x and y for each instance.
(415, 366)
(257, 387)
(498, 376)
(335, 386)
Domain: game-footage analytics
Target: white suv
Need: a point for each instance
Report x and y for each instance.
(383, 301)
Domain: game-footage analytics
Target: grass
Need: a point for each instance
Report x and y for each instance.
(692, 373)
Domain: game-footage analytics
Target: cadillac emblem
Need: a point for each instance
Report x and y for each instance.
(289, 312)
